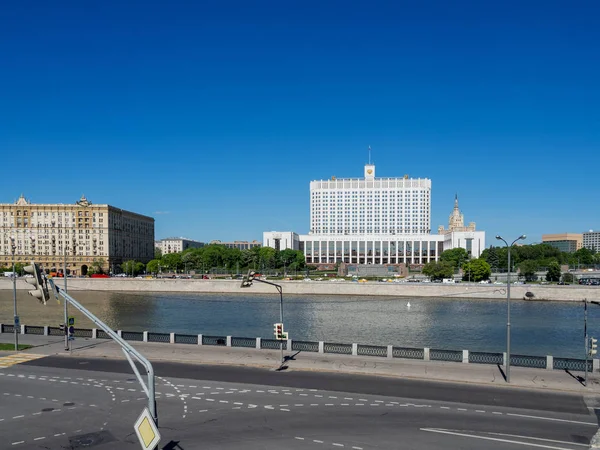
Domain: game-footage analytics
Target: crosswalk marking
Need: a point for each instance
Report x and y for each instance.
(18, 358)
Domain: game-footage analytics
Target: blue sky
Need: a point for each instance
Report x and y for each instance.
(213, 117)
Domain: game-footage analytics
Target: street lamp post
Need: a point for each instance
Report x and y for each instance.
(13, 247)
(508, 304)
(247, 282)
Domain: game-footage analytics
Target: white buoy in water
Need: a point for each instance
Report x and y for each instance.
(408, 305)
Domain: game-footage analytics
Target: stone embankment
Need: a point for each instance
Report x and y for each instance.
(347, 288)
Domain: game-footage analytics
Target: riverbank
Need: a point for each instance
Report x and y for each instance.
(347, 288)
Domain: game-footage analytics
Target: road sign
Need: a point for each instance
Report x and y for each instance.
(71, 321)
(17, 321)
(146, 430)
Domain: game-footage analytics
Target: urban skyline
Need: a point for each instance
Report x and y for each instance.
(185, 113)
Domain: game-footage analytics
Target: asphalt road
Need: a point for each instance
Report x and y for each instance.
(74, 403)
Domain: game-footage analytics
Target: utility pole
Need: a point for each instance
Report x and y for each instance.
(14, 277)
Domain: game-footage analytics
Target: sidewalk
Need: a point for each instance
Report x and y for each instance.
(481, 374)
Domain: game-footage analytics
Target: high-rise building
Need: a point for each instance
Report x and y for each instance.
(79, 235)
(565, 242)
(591, 240)
(378, 221)
(370, 205)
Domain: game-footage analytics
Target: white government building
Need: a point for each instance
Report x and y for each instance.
(376, 221)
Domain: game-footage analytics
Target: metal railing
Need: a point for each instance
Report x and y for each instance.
(423, 354)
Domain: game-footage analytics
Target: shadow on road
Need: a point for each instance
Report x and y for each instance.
(577, 377)
(287, 358)
(502, 371)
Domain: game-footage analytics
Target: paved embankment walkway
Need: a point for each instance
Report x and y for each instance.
(482, 374)
(347, 288)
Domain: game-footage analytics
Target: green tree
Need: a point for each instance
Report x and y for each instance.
(456, 257)
(528, 269)
(476, 270)
(128, 267)
(492, 258)
(171, 261)
(98, 265)
(438, 270)
(157, 253)
(553, 273)
(267, 257)
(152, 266)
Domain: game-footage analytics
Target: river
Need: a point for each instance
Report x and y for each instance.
(538, 328)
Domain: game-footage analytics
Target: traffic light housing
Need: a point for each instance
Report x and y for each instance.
(39, 282)
(71, 332)
(593, 346)
(278, 329)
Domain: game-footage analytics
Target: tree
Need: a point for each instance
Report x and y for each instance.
(172, 261)
(528, 269)
(157, 253)
(267, 257)
(456, 257)
(98, 265)
(492, 257)
(438, 270)
(553, 273)
(476, 270)
(152, 266)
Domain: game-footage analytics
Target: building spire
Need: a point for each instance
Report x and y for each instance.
(369, 154)
(456, 201)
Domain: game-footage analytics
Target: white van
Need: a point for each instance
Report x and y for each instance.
(448, 280)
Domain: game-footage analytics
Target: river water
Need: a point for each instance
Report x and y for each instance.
(538, 328)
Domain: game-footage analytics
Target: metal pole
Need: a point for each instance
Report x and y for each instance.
(281, 318)
(508, 320)
(150, 389)
(14, 277)
(67, 343)
(585, 337)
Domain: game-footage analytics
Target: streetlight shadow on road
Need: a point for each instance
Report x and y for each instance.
(577, 377)
(173, 445)
(287, 358)
(502, 372)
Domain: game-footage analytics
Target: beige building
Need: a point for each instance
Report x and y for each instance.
(565, 242)
(177, 245)
(80, 233)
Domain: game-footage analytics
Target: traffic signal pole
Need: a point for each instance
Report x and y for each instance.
(128, 350)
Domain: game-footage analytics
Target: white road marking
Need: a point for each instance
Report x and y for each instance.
(39, 438)
(317, 441)
(530, 444)
(18, 442)
(553, 419)
(299, 438)
(538, 439)
(337, 445)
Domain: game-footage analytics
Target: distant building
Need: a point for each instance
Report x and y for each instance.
(377, 221)
(281, 240)
(80, 234)
(565, 242)
(591, 240)
(242, 245)
(177, 245)
(460, 236)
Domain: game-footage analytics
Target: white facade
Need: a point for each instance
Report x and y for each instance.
(281, 240)
(378, 221)
(370, 205)
(177, 245)
(591, 240)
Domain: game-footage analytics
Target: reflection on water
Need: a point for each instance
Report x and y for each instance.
(538, 328)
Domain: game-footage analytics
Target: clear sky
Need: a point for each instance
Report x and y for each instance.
(214, 116)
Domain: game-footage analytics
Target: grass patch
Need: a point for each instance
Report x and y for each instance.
(11, 347)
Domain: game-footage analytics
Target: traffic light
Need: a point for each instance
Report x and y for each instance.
(593, 345)
(41, 289)
(278, 331)
(63, 328)
(71, 333)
